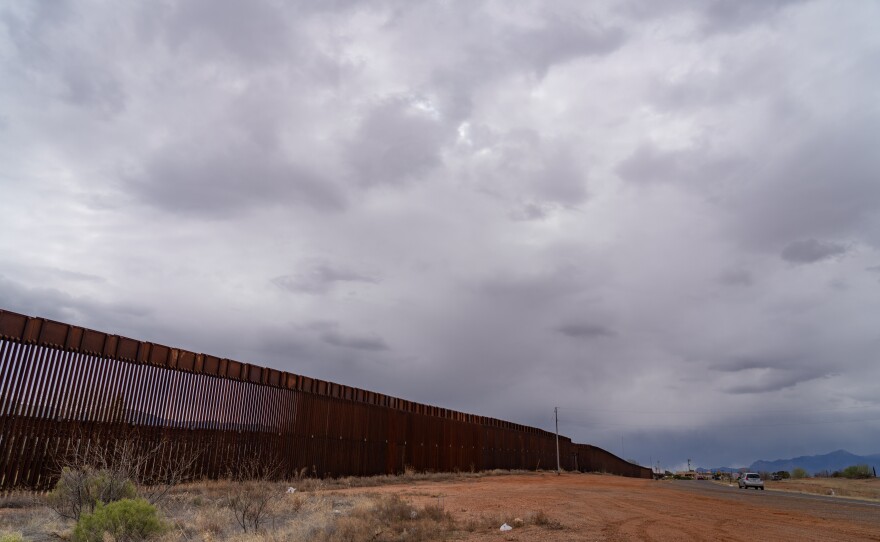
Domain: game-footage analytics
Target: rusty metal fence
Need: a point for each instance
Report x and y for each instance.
(63, 388)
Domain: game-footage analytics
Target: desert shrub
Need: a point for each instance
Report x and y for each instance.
(354, 529)
(251, 502)
(390, 518)
(252, 496)
(435, 512)
(11, 537)
(80, 490)
(857, 471)
(394, 509)
(114, 469)
(126, 520)
(540, 518)
(798, 473)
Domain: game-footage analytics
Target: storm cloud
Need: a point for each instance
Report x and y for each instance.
(661, 217)
(811, 250)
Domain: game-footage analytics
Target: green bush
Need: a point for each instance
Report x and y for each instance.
(127, 520)
(857, 471)
(79, 490)
(798, 473)
(11, 537)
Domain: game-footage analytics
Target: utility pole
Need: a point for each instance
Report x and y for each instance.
(556, 412)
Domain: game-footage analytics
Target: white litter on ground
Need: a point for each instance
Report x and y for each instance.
(291, 490)
(506, 527)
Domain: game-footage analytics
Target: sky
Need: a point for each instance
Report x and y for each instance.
(661, 217)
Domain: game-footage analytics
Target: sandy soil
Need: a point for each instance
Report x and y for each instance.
(597, 507)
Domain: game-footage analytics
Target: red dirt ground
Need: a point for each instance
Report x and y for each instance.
(600, 507)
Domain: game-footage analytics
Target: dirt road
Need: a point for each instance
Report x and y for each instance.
(596, 507)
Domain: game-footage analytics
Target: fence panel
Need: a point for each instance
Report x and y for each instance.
(65, 389)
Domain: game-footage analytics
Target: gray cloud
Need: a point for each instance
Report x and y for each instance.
(562, 37)
(79, 79)
(530, 211)
(647, 164)
(29, 29)
(733, 15)
(91, 87)
(811, 251)
(524, 165)
(542, 288)
(697, 166)
(319, 278)
(397, 141)
(822, 186)
(747, 363)
(715, 16)
(218, 181)
(775, 381)
(756, 375)
(59, 305)
(249, 33)
(585, 331)
(368, 343)
(533, 40)
(736, 277)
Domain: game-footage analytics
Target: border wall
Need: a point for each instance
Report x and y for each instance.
(64, 387)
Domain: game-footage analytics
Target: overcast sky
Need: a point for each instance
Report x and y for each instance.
(662, 217)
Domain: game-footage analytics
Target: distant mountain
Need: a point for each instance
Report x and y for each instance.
(813, 464)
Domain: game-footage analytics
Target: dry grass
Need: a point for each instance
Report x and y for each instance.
(387, 518)
(868, 489)
(492, 522)
(541, 519)
(408, 476)
(27, 515)
(200, 511)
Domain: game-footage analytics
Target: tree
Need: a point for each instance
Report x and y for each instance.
(857, 471)
(798, 473)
